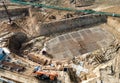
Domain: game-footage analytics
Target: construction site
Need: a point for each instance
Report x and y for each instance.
(59, 41)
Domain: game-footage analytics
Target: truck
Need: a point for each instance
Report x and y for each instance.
(6, 62)
(44, 75)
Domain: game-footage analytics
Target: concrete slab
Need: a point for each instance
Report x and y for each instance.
(79, 42)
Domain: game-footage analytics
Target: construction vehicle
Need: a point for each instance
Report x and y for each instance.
(10, 20)
(6, 62)
(44, 75)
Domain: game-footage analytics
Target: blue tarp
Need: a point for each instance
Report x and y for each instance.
(2, 54)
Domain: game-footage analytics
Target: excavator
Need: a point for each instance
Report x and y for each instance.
(44, 75)
(10, 21)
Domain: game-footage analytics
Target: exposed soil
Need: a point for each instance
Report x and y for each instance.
(98, 65)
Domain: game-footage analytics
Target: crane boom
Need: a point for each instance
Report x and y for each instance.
(10, 20)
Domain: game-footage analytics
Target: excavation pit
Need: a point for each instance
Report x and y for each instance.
(78, 42)
(16, 41)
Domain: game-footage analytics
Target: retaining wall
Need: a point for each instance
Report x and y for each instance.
(76, 22)
(13, 13)
(84, 2)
